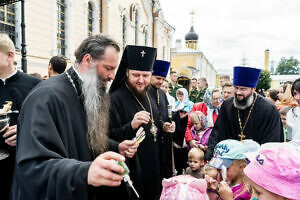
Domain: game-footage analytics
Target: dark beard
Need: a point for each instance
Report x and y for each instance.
(244, 103)
(96, 104)
(136, 92)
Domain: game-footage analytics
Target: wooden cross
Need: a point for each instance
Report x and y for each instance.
(143, 53)
(242, 136)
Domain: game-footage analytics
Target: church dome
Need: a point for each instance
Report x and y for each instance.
(192, 35)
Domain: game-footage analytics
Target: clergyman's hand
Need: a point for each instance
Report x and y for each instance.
(104, 169)
(128, 148)
(140, 118)
(11, 135)
(169, 127)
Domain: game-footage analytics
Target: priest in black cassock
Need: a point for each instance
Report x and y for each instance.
(62, 131)
(132, 108)
(246, 115)
(14, 87)
(159, 74)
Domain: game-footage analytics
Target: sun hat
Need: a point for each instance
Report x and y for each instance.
(252, 148)
(184, 187)
(226, 152)
(277, 170)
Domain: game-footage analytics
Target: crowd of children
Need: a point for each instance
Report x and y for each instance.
(239, 170)
(244, 171)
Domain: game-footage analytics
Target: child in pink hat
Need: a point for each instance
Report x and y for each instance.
(274, 174)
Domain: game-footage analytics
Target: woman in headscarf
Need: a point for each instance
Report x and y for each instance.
(210, 107)
(183, 100)
(183, 107)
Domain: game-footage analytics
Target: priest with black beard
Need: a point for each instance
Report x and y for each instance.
(247, 115)
(132, 108)
(62, 131)
(159, 74)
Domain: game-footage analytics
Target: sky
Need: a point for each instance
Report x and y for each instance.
(230, 30)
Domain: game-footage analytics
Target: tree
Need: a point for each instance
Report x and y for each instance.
(288, 66)
(264, 81)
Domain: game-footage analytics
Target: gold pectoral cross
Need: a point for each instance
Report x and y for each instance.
(242, 136)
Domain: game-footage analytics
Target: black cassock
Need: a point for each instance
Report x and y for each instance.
(264, 124)
(14, 89)
(166, 138)
(53, 157)
(145, 166)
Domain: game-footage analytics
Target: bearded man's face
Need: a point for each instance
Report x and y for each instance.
(139, 81)
(243, 96)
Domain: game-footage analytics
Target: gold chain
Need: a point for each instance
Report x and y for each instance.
(242, 136)
(152, 119)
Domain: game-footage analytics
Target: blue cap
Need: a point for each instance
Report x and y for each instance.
(226, 152)
(161, 68)
(245, 76)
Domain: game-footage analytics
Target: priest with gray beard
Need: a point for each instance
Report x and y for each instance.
(62, 143)
(246, 115)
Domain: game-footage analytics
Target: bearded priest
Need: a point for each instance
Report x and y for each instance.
(246, 115)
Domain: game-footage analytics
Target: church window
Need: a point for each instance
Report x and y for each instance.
(61, 27)
(8, 20)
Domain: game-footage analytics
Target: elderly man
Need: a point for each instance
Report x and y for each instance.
(62, 134)
(247, 115)
(132, 108)
(14, 87)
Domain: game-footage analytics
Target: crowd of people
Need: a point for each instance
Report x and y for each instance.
(70, 136)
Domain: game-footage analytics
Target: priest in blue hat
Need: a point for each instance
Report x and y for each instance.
(159, 74)
(132, 108)
(246, 115)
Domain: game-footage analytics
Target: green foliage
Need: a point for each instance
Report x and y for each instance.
(288, 66)
(264, 81)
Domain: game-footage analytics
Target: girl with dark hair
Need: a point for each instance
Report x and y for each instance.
(293, 116)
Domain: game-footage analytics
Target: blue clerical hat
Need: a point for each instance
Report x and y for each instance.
(245, 76)
(161, 68)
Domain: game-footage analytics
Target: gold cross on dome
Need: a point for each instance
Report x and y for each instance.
(143, 53)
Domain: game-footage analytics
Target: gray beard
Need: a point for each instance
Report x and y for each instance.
(96, 104)
(243, 104)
